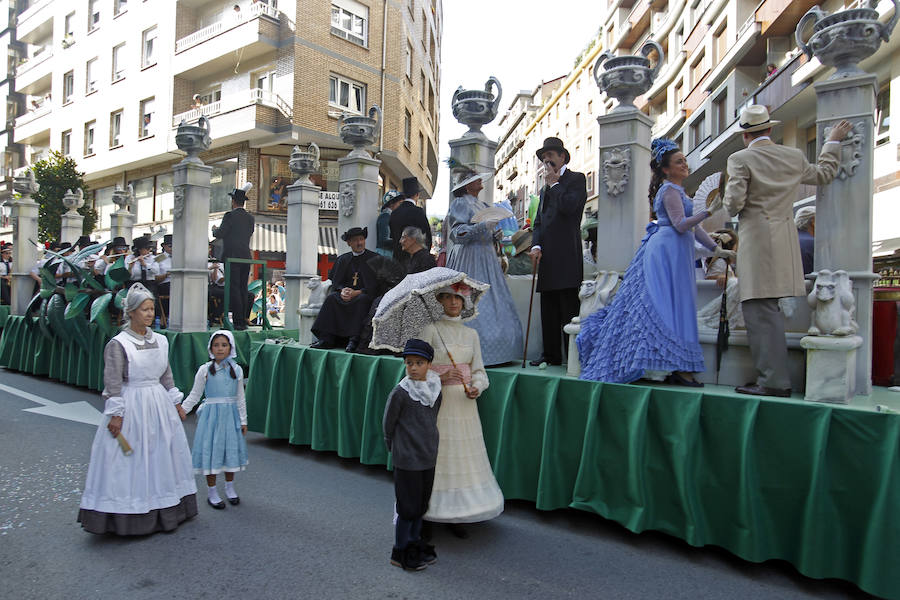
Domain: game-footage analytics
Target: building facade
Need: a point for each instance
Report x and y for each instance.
(114, 78)
(717, 57)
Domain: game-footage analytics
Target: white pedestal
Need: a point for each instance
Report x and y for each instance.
(302, 249)
(25, 228)
(122, 224)
(307, 318)
(573, 365)
(830, 367)
(476, 151)
(359, 175)
(72, 226)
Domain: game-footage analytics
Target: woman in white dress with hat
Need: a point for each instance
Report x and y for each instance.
(140, 478)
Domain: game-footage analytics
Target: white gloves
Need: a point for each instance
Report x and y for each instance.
(720, 252)
(715, 205)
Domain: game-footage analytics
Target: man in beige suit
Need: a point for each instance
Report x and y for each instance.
(763, 182)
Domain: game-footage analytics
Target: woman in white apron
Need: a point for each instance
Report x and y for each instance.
(151, 488)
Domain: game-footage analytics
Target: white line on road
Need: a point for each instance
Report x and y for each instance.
(26, 395)
(80, 411)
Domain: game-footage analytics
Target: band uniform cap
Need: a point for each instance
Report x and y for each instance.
(118, 242)
(417, 347)
(354, 231)
(140, 243)
(553, 143)
(755, 118)
(83, 241)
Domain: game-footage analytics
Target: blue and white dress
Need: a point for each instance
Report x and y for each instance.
(651, 324)
(219, 444)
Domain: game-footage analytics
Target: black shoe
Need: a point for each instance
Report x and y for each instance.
(234, 501)
(352, 345)
(458, 530)
(426, 551)
(408, 559)
(677, 379)
(544, 359)
(758, 390)
(322, 344)
(219, 506)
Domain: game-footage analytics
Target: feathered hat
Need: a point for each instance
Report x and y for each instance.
(239, 195)
(462, 175)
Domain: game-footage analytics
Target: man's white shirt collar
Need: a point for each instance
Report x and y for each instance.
(759, 139)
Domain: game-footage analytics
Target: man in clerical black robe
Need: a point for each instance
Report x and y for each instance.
(353, 285)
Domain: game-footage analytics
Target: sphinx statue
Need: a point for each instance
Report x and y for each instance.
(832, 302)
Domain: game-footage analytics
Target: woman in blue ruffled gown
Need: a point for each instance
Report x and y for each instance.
(651, 324)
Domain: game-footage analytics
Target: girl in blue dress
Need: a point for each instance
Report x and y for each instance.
(651, 324)
(219, 443)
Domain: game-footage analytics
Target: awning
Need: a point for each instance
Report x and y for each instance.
(272, 237)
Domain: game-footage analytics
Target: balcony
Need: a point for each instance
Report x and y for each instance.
(236, 117)
(778, 90)
(35, 73)
(33, 125)
(35, 22)
(778, 18)
(742, 46)
(638, 22)
(212, 48)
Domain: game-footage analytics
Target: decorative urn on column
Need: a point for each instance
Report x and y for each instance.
(123, 198)
(25, 186)
(475, 108)
(193, 139)
(73, 201)
(842, 39)
(304, 162)
(627, 77)
(360, 131)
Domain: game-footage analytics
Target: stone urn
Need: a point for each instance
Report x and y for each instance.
(123, 198)
(360, 131)
(193, 139)
(842, 39)
(476, 107)
(304, 162)
(73, 201)
(25, 185)
(627, 77)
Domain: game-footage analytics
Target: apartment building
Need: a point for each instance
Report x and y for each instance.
(110, 80)
(716, 58)
(12, 152)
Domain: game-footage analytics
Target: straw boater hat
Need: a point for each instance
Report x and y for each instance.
(755, 118)
(522, 241)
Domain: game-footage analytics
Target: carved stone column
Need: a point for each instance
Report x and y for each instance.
(303, 236)
(189, 274)
(122, 220)
(359, 197)
(25, 230)
(72, 222)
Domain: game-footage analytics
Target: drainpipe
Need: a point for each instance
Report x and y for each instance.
(383, 67)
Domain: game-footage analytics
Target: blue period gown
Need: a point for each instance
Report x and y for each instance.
(472, 253)
(219, 445)
(651, 324)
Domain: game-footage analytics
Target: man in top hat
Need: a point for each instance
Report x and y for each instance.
(556, 243)
(235, 232)
(5, 272)
(409, 214)
(385, 243)
(763, 180)
(353, 287)
(163, 279)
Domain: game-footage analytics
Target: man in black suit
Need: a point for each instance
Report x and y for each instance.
(235, 232)
(406, 215)
(556, 243)
(353, 287)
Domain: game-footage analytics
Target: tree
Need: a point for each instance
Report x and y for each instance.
(56, 175)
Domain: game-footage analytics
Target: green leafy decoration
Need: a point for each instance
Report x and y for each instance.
(98, 306)
(120, 299)
(76, 307)
(56, 174)
(43, 322)
(117, 273)
(71, 291)
(56, 315)
(254, 286)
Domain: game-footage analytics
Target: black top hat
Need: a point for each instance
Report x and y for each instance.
(54, 246)
(118, 242)
(354, 231)
(552, 143)
(416, 347)
(411, 187)
(84, 241)
(140, 243)
(167, 239)
(239, 195)
(65, 245)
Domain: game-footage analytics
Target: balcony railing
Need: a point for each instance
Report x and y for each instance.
(33, 62)
(235, 102)
(227, 23)
(32, 10)
(33, 115)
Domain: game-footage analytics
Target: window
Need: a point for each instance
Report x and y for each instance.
(590, 107)
(589, 143)
(148, 57)
(407, 128)
(567, 99)
(408, 59)
(577, 120)
(698, 130)
(265, 80)
(432, 105)
(720, 44)
(93, 15)
(210, 96)
(118, 62)
(590, 182)
(421, 149)
(720, 113)
(883, 116)
(115, 128)
(349, 20)
(89, 137)
(68, 86)
(69, 24)
(698, 70)
(147, 114)
(65, 142)
(90, 76)
(424, 83)
(223, 179)
(143, 199)
(679, 94)
(103, 204)
(119, 6)
(347, 94)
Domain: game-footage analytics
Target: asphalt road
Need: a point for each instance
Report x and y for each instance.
(313, 525)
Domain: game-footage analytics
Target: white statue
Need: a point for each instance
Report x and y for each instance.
(595, 293)
(832, 302)
(318, 291)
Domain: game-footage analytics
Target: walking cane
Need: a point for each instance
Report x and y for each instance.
(534, 269)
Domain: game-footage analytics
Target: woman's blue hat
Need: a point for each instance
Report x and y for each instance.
(416, 347)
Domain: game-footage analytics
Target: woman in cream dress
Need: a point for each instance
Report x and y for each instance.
(465, 490)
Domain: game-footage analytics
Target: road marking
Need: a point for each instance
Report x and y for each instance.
(80, 412)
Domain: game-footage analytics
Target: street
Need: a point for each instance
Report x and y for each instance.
(313, 525)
